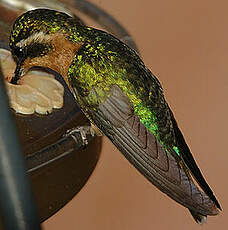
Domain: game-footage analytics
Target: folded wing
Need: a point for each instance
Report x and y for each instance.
(117, 120)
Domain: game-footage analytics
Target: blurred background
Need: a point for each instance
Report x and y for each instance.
(185, 45)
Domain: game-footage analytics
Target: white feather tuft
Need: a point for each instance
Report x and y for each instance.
(38, 37)
(203, 220)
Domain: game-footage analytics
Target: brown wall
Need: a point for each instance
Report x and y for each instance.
(185, 43)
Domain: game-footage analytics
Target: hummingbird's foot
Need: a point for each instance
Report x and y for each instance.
(84, 131)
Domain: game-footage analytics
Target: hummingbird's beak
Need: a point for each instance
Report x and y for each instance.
(17, 73)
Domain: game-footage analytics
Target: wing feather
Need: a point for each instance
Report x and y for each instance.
(117, 120)
(191, 164)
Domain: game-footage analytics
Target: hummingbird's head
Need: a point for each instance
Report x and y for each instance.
(38, 38)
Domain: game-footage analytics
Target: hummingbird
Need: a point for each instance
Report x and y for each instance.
(120, 96)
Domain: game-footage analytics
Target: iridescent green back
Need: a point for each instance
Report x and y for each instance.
(106, 61)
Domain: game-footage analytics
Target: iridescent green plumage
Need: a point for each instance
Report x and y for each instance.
(109, 62)
(124, 99)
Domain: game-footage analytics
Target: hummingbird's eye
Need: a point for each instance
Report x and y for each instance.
(18, 52)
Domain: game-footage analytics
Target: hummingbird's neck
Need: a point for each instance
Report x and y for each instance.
(62, 55)
(59, 58)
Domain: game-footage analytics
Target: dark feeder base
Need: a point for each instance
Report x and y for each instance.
(58, 167)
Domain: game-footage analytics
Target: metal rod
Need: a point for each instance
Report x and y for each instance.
(65, 146)
(17, 207)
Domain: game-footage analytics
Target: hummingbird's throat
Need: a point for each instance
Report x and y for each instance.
(59, 58)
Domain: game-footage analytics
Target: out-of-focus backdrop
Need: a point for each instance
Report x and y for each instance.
(185, 44)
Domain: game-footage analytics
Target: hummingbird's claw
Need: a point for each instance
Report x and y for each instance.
(83, 130)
